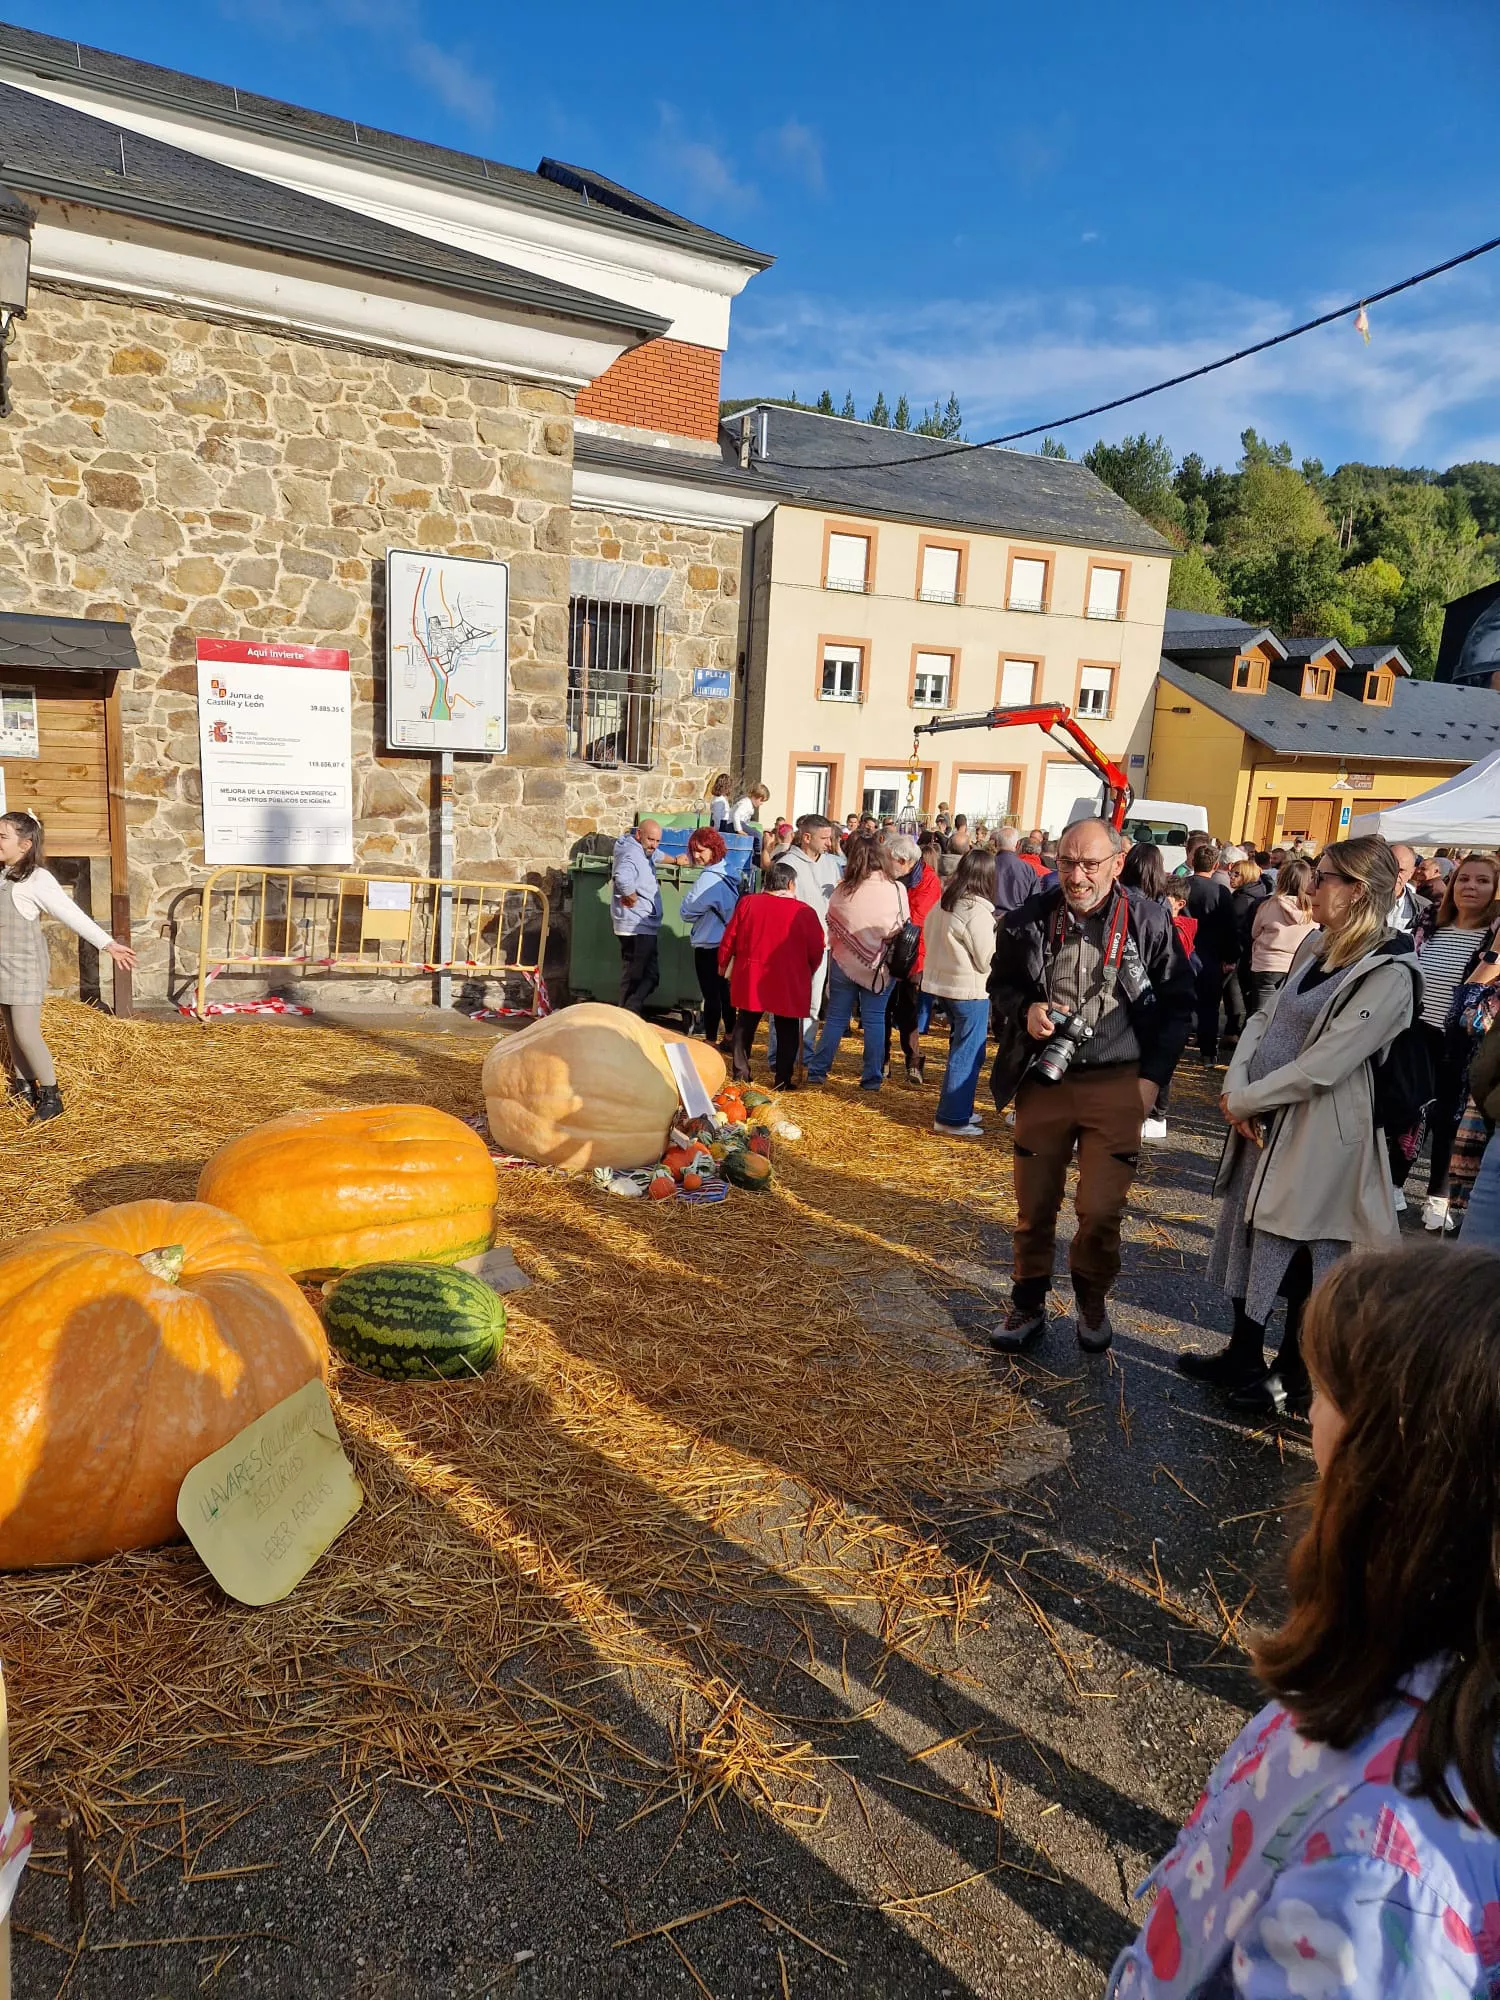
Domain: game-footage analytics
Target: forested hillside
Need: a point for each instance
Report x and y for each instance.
(1362, 553)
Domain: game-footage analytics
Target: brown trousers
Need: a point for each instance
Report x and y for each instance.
(1099, 1112)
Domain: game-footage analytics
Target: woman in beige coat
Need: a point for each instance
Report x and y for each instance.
(958, 934)
(1304, 1177)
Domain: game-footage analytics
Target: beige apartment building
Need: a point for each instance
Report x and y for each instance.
(888, 594)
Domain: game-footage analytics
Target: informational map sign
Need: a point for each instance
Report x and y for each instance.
(19, 735)
(262, 1508)
(274, 738)
(446, 652)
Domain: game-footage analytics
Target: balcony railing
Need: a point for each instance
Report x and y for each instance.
(1110, 611)
(846, 583)
(936, 594)
(1025, 604)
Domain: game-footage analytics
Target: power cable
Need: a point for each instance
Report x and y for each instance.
(1139, 395)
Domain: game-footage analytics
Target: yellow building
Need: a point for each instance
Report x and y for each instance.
(899, 582)
(1290, 739)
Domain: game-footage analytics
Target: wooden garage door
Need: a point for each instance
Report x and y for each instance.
(68, 787)
(1312, 820)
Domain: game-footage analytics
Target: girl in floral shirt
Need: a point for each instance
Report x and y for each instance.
(1348, 1845)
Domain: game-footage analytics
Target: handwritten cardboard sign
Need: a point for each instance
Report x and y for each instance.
(264, 1507)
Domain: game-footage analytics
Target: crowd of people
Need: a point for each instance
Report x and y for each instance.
(1346, 1007)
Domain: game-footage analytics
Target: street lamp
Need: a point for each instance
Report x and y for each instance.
(16, 221)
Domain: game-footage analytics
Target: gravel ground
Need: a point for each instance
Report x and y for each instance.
(1102, 1687)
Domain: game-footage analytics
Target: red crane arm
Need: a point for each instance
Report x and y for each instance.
(1052, 717)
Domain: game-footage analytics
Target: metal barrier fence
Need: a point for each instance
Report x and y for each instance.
(256, 919)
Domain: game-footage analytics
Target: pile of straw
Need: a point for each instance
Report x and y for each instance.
(690, 1418)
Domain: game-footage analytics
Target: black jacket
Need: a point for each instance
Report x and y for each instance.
(1161, 1016)
(1245, 902)
(1211, 906)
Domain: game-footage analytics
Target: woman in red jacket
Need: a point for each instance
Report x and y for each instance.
(770, 951)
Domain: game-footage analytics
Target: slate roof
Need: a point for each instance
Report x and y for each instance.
(1009, 492)
(1299, 651)
(1380, 656)
(47, 148)
(554, 186)
(696, 468)
(65, 645)
(1223, 636)
(1427, 722)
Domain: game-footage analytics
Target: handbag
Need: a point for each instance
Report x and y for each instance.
(901, 948)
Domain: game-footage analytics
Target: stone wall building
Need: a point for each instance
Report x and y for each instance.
(221, 429)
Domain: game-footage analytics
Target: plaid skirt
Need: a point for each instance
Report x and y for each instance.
(23, 954)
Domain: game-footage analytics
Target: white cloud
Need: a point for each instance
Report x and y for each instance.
(455, 83)
(696, 166)
(1424, 391)
(797, 150)
(392, 27)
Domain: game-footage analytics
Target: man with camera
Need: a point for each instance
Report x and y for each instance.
(1093, 998)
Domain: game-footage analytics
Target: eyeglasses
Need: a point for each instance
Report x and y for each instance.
(1333, 875)
(1065, 862)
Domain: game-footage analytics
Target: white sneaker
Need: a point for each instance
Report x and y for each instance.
(1400, 1194)
(959, 1131)
(1153, 1128)
(1435, 1213)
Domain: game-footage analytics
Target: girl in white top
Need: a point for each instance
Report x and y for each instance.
(720, 811)
(27, 891)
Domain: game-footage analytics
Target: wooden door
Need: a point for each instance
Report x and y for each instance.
(1265, 823)
(1311, 820)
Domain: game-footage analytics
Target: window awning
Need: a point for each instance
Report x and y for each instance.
(65, 645)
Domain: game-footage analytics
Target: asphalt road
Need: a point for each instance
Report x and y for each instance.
(1104, 1684)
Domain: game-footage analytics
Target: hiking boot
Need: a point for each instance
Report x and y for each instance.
(49, 1103)
(1227, 1368)
(1093, 1326)
(1022, 1327)
(1276, 1394)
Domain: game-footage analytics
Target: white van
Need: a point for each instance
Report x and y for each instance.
(1168, 823)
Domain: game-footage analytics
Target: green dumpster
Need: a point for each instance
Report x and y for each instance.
(594, 951)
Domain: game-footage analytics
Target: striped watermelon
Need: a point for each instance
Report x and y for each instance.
(415, 1322)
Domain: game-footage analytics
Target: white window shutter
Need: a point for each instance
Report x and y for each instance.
(1105, 586)
(940, 575)
(848, 561)
(1028, 583)
(1017, 683)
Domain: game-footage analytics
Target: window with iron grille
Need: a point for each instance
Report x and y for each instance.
(614, 682)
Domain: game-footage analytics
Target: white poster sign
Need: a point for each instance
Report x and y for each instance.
(446, 652)
(19, 735)
(274, 738)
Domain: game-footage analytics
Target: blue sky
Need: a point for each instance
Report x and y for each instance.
(1035, 206)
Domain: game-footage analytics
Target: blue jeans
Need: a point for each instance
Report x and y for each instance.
(971, 1023)
(842, 994)
(1481, 1230)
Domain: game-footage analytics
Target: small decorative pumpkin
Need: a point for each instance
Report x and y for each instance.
(385, 1183)
(661, 1187)
(132, 1345)
(751, 1171)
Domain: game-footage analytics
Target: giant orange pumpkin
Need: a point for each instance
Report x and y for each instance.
(383, 1184)
(589, 1086)
(131, 1346)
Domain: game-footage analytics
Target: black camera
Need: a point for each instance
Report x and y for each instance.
(1056, 1055)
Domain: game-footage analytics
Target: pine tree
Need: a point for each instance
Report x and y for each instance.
(848, 409)
(931, 425)
(879, 414)
(825, 404)
(953, 421)
(1051, 447)
(902, 419)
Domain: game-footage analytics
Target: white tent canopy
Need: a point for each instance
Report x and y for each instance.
(1463, 811)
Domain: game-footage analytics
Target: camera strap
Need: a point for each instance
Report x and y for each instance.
(1116, 938)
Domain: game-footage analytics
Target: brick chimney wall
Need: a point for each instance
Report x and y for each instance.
(665, 385)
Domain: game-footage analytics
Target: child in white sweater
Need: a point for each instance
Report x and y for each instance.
(27, 890)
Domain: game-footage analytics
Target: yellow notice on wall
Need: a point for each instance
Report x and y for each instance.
(264, 1507)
